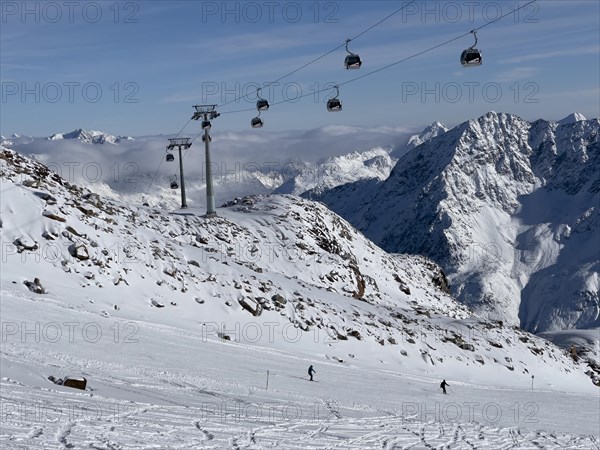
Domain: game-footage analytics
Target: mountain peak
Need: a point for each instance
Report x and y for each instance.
(572, 118)
(435, 127)
(91, 136)
(429, 132)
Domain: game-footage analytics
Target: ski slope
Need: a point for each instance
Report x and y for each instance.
(162, 387)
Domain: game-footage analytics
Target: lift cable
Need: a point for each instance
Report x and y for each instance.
(287, 75)
(360, 76)
(322, 56)
(395, 63)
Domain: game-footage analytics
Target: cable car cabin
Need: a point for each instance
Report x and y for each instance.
(256, 123)
(471, 57)
(174, 185)
(262, 105)
(205, 124)
(334, 105)
(352, 61)
(170, 157)
(204, 138)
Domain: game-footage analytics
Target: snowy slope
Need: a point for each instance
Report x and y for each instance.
(508, 208)
(157, 386)
(183, 316)
(319, 177)
(277, 256)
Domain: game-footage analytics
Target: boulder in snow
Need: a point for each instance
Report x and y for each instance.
(53, 215)
(24, 243)
(79, 251)
(156, 303)
(77, 383)
(35, 286)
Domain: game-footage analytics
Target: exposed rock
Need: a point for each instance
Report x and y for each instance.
(35, 286)
(279, 300)
(79, 251)
(24, 244)
(77, 383)
(49, 236)
(53, 215)
(156, 303)
(355, 334)
(247, 304)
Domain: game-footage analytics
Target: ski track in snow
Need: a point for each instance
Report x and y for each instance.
(134, 404)
(166, 426)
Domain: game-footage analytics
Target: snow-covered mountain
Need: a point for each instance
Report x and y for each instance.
(509, 209)
(319, 177)
(572, 118)
(370, 166)
(432, 130)
(174, 320)
(277, 257)
(352, 184)
(93, 137)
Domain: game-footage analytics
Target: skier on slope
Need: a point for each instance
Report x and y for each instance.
(310, 372)
(443, 385)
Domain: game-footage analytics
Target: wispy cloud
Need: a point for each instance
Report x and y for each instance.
(559, 54)
(516, 73)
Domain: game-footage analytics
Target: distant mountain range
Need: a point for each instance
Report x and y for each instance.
(510, 209)
(93, 137)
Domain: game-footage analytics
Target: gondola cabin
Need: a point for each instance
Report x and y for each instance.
(471, 57)
(256, 122)
(262, 105)
(352, 61)
(334, 105)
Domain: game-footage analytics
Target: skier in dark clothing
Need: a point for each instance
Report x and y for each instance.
(443, 385)
(310, 372)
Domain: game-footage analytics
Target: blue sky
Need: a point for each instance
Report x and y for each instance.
(137, 67)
